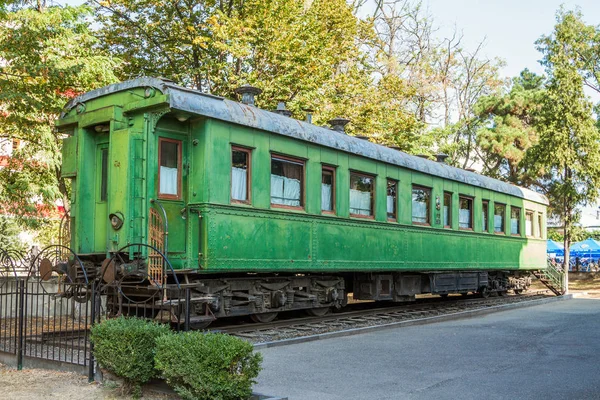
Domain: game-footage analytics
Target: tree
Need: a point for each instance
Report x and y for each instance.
(47, 57)
(508, 127)
(567, 155)
(310, 54)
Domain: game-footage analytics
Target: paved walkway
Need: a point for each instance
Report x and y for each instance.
(540, 352)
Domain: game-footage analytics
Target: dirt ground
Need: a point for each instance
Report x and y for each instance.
(47, 384)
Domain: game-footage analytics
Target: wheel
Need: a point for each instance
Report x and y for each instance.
(502, 292)
(518, 291)
(465, 294)
(444, 295)
(318, 312)
(484, 292)
(264, 318)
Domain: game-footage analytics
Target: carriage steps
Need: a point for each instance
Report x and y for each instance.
(553, 278)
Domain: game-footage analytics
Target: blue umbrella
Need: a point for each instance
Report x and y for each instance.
(554, 248)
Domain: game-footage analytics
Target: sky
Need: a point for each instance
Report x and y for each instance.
(510, 27)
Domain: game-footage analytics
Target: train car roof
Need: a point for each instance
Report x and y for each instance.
(196, 102)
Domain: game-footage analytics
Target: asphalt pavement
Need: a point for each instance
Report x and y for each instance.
(539, 352)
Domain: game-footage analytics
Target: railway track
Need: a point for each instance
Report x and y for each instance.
(336, 322)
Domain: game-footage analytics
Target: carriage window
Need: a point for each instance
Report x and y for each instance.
(392, 189)
(499, 211)
(484, 215)
(465, 213)
(540, 232)
(447, 209)
(515, 221)
(328, 189)
(287, 180)
(240, 175)
(104, 176)
(169, 176)
(529, 223)
(420, 205)
(361, 195)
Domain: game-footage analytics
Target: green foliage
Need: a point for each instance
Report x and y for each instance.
(126, 347)
(208, 366)
(308, 54)
(9, 235)
(508, 129)
(53, 57)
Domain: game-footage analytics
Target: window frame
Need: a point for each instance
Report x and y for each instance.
(486, 228)
(373, 201)
(540, 224)
(248, 152)
(518, 219)
(420, 187)
(297, 160)
(179, 143)
(104, 162)
(449, 226)
(471, 200)
(395, 182)
(532, 213)
(503, 231)
(332, 169)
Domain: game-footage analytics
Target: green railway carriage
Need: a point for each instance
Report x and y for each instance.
(266, 213)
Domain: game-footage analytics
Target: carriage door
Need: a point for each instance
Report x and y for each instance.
(101, 216)
(171, 187)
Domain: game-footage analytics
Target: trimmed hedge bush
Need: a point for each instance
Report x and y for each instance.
(208, 366)
(126, 347)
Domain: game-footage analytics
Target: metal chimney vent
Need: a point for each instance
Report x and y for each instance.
(397, 148)
(248, 92)
(362, 137)
(339, 124)
(441, 158)
(281, 110)
(309, 113)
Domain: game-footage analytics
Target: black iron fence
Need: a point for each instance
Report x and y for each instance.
(49, 301)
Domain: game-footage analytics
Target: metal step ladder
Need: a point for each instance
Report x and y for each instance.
(553, 277)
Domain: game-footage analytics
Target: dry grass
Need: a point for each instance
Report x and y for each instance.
(48, 384)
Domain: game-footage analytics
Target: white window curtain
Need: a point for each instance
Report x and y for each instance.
(238, 184)
(285, 191)
(464, 218)
(514, 226)
(446, 216)
(326, 203)
(168, 181)
(360, 202)
(528, 228)
(419, 211)
(390, 205)
(498, 223)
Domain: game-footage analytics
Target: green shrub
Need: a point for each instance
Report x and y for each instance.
(208, 366)
(126, 347)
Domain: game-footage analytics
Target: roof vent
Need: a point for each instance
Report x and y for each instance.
(441, 158)
(470, 169)
(362, 137)
(309, 113)
(397, 148)
(281, 110)
(248, 92)
(425, 156)
(339, 124)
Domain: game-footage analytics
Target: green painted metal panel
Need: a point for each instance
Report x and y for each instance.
(119, 195)
(69, 157)
(269, 241)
